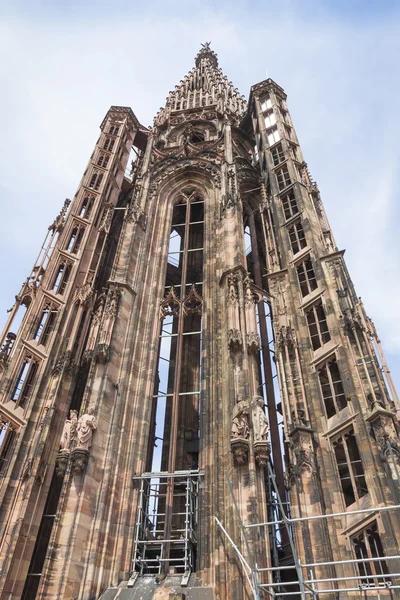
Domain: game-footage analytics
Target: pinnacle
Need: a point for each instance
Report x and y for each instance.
(206, 52)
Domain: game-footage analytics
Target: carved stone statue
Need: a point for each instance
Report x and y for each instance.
(240, 431)
(240, 420)
(69, 430)
(86, 425)
(259, 419)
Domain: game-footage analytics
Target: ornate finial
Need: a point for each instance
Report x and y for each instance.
(206, 52)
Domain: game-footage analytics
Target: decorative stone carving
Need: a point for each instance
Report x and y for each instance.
(252, 337)
(302, 447)
(68, 437)
(107, 217)
(7, 347)
(110, 313)
(59, 221)
(84, 429)
(193, 303)
(69, 431)
(135, 214)
(94, 329)
(171, 304)
(240, 431)
(79, 460)
(63, 363)
(83, 293)
(385, 433)
(235, 341)
(259, 419)
(62, 461)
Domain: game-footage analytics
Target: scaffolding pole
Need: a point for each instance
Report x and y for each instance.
(254, 574)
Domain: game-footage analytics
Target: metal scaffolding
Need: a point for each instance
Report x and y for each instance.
(153, 553)
(305, 585)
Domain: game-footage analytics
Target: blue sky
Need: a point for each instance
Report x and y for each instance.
(65, 63)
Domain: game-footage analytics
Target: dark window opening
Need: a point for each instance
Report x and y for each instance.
(297, 237)
(307, 279)
(332, 388)
(277, 154)
(86, 207)
(61, 278)
(368, 545)
(7, 438)
(95, 181)
(317, 326)
(45, 326)
(351, 471)
(283, 177)
(25, 381)
(75, 240)
(197, 138)
(109, 144)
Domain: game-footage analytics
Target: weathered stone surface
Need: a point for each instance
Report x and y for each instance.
(217, 223)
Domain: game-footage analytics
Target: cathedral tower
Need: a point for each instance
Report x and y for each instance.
(194, 403)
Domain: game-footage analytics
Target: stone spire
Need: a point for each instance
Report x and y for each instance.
(205, 85)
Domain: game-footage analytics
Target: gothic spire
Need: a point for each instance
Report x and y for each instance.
(205, 85)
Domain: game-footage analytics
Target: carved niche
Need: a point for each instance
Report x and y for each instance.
(302, 450)
(110, 312)
(252, 337)
(235, 342)
(385, 433)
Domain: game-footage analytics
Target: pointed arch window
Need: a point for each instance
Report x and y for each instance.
(297, 237)
(180, 341)
(350, 467)
(25, 381)
(332, 387)
(61, 278)
(109, 144)
(176, 407)
(75, 239)
(7, 438)
(86, 207)
(103, 160)
(95, 181)
(45, 325)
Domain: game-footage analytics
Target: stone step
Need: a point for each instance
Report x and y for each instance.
(146, 588)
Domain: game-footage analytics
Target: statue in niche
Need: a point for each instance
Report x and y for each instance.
(85, 427)
(69, 431)
(240, 421)
(259, 419)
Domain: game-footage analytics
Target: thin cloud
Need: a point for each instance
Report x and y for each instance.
(340, 72)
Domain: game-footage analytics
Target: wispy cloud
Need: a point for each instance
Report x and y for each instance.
(338, 64)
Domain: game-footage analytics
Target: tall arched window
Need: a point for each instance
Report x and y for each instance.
(169, 501)
(178, 375)
(25, 381)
